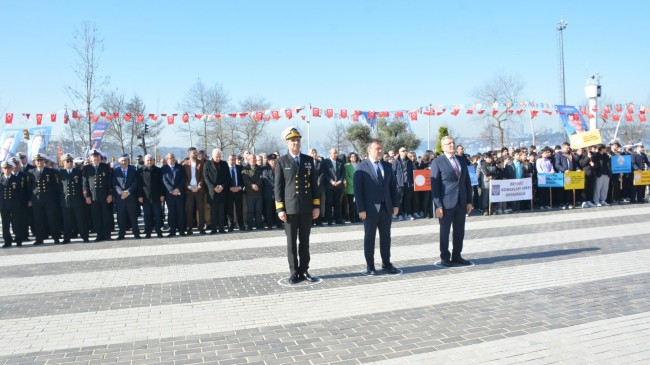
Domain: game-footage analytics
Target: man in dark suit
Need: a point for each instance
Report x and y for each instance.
(403, 168)
(45, 201)
(334, 176)
(125, 186)
(173, 176)
(320, 179)
(195, 191)
(217, 182)
(565, 161)
(377, 199)
(14, 200)
(235, 195)
(253, 182)
(152, 194)
(98, 190)
(268, 195)
(639, 163)
(72, 200)
(297, 203)
(452, 196)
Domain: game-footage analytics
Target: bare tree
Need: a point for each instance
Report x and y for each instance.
(504, 90)
(118, 131)
(248, 130)
(204, 100)
(136, 107)
(336, 137)
(268, 143)
(488, 136)
(88, 46)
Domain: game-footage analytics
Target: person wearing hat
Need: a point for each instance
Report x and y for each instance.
(98, 192)
(72, 200)
(45, 201)
(23, 161)
(268, 195)
(14, 198)
(125, 188)
(639, 163)
(297, 203)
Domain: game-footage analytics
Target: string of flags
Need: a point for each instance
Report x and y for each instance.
(615, 112)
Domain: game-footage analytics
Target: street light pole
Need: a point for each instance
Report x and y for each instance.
(561, 26)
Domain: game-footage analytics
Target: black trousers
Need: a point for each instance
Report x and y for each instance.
(254, 211)
(235, 200)
(333, 198)
(176, 213)
(270, 216)
(298, 227)
(382, 222)
(638, 194)
(193, 208)
(127, 215)
(6, 226)
(152, 217)
(102, 219)
(46, 219)
(452, 218)
(217, 214)
(352, 209)
(74, 218)
(406, 199)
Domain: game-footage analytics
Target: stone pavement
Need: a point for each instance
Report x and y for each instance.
(548, 287)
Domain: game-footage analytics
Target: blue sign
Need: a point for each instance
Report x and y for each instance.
(472, 175)
(621, 164)
(98, 135)
(548, 180)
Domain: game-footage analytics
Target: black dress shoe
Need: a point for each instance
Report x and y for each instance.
(171, 235)
(390, 269)
(213, 232)
(19, 244)
(201, 231)
(249, 228)
(372, 272)
(340, 222)
(120, 237)
(137, 237)
(97, 239)
(56, 241)
(159, 235)
(296, 278)
(67, 240)
(148, 235)
(446, 263)
(224, 231)
(183, 234)
(38, 243)
(230, 229)
(309, 278)
(460, 261)
(86, 240)
(6, 245)
(320, 224)
(189, 232)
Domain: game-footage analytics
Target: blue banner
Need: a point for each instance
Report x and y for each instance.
(621, 164)
(10, 141)
(548, 180)
(98, 135)
(39, 137)
(572, 119)
(472, 175)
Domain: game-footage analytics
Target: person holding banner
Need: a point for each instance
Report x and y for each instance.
(639, 163)
(545, 166)
(566, 161)
(452, 196)
(603, 171)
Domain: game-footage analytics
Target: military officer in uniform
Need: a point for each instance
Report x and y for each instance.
(639, 163)
(297, 203)
(98, 191)
(14, 197)
(72, 200)
(45, 201)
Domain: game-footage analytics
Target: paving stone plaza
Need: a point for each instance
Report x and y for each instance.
(551, 287)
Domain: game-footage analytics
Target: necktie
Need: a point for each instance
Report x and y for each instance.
(69, 172)
(297, 158)
(380, 180)
(124, 172)
(233, 175)
(455, 165)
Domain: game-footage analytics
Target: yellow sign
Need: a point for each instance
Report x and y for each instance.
(585, 139)
(641, 177)
(574, 180)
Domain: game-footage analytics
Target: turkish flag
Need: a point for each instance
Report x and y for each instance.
(26, 115)
(275, 115)
(619, 108)
(630, 109)
(628, 117)
(53, 117)
(139, 118)
(431, 112)
(39, 119)
(232, 115)
(594, 109)
(243, 115)
(607, 109)
(109, 117)
(103, 114)
(520, 111)
(259, 116)
(371, 115)
(9, 117)
(315, 112)
(170, 119)
(357, 112)
(642, 117)
(344, 113)
(94, 118)
(494, 112)
(198, 116)
(127, 117)
(218, 116)
(591, 116)
(75, 114)
(153, 117)
(116, 115)
(533, 113)
(470, 111)
(413, 115)
(288, 113)
(510, 111)
(329, 113)
(616, 117)
(547, 112)
(440, 112)
(267, 118)
(399, 114)
(604, 116)
(384, 114)
(185, 117)
(583, 111)
(303, 117)
(355, 118)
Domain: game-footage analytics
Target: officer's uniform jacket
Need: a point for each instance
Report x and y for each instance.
(45, 187)
(14, 191)
(296, 190)
(97, 182)
(71, 188)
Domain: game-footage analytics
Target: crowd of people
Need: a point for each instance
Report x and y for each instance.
(218, 194)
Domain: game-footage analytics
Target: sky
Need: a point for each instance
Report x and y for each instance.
(365, 55)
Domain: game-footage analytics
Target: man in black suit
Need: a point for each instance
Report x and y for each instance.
(639, 163)
(72, 200)
(334, 176)
(452, 196)
(98, 190)
(235, 195)
(125, 186)
(268, 195)
(297, 203)
(45, 201)
(152, 194)
(173, 176)
(377, 199)
(14, 200)
(217, 181)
